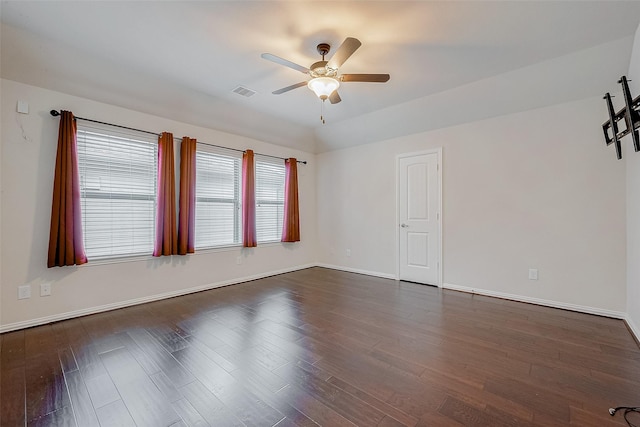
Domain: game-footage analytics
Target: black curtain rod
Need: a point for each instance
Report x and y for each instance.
(56, 113)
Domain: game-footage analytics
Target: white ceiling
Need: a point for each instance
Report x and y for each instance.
(183, 59)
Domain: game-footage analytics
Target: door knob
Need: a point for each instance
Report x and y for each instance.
(404, 225)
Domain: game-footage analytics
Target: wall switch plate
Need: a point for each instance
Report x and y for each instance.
(348, 252)
(533, 274)
(24, 291)
(45, 289)
(23, 107)
(239, 260)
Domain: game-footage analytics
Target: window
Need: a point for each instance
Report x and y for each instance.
(118, 173)
(218, 195)
(269, 199)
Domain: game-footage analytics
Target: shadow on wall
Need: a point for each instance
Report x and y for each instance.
(47, 142)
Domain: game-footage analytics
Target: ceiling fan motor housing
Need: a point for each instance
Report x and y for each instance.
(320, 69)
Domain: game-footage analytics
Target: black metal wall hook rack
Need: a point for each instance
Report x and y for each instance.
(631, 116)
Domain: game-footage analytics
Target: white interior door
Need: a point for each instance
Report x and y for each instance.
(419, 218)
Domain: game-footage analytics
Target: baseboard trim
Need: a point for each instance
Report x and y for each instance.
(136, 301)
(357, 270)
(539, 301)
(128, 303)
(633, 328)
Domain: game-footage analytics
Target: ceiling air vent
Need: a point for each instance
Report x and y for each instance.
(243, 91)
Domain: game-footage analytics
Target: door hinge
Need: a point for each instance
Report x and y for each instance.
(438, 216)
(437, 166)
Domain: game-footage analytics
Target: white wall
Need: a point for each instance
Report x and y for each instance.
(578, 75)
(534, 189)
(632, 160)
(1, 193)
(28, 158)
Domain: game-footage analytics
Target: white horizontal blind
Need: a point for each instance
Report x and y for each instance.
(269, 198)
(218, 197)
(118, 173)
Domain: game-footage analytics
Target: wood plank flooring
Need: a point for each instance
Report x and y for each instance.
(321, 347)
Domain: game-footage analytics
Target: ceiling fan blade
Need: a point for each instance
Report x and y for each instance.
(373, 78)
(334, 98)
(281, 61)
(346, 49)
(288, 88)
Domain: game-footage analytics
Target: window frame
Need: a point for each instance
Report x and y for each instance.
(277, 237)
(88, 191)
(236, 201)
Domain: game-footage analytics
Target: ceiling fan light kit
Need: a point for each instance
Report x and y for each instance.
(323, 87)
(325, 80)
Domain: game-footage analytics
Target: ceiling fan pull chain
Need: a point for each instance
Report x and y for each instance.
(322, 111)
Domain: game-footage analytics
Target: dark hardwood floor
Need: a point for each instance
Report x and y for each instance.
(321, 347)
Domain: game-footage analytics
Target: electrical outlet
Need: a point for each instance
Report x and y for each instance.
(533, 274)
(239, 260)
(348, 252)
(45, 289)
(24, 291)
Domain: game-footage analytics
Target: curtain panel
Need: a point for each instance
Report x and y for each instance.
(66, 246)
(187, 213)
(249, 239)
(166, 242)
(291, 220)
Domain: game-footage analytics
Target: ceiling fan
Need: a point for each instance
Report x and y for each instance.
(325, 79)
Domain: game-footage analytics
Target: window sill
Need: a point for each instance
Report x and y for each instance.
(214, 249)
(232, 247)
(202, 251)
(269, 243)
(117, 260)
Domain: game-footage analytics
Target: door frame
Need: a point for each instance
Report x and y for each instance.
(437, 151)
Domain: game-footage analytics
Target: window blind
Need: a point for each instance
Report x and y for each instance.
(218, 197)
(118, 173)
(269, 199)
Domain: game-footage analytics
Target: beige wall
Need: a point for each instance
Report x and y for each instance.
(632, 160)
(28, 157)
(537, 189)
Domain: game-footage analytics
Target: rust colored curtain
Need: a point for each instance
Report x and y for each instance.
(65, 235)
(291, 220)
(166, 242)
(187, 215)
(249, 239)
